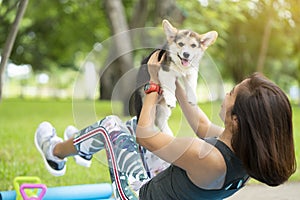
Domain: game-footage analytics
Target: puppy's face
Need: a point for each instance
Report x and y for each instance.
(187, 47)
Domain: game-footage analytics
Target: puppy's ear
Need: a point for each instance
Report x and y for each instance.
(170, 31)
(208, 39)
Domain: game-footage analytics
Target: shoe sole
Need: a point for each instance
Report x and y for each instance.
(50, 169)
(81, 161)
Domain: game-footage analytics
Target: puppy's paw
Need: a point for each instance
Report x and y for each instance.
(171, 103)
(170, 100)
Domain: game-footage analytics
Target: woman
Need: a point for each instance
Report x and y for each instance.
(257, 142)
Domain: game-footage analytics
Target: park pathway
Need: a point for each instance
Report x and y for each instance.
(288, 191)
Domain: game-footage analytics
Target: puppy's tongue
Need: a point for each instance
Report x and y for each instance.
(184, 62)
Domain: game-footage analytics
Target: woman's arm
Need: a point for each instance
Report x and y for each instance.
(197, 119)
(146, 128)
(183, 152)
(202, 162)
(147, 134)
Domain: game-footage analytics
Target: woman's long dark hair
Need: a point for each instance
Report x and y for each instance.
(264, 139)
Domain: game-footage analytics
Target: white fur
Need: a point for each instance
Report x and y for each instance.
(194, 46)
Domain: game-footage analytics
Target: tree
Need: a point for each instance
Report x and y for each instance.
(265, 40)
(123, 45)
(60, 34)
(11, 39)
(253, 46)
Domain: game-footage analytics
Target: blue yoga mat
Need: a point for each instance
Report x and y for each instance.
(75, 192)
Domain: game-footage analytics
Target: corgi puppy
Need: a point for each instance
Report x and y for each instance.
(184, 50)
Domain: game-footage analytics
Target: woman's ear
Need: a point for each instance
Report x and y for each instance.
(235, 121)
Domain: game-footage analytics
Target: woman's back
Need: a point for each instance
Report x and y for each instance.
(173, 183)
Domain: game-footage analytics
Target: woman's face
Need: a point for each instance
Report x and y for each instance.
(229, 100)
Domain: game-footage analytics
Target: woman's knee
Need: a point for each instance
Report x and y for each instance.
(110, 123)
(107, 119)
(114, 118)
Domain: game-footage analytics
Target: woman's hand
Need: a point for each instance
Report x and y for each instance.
(154, 66)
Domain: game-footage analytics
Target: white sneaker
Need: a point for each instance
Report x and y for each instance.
(45, 140)
(85, 161)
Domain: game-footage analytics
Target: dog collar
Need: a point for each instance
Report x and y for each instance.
(152, 87)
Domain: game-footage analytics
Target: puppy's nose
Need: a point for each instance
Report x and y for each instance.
(186, 55)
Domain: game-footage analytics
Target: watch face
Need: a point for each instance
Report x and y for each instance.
(147, 87)
(151, 87)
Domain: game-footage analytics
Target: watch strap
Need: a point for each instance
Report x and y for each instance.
(152, 87)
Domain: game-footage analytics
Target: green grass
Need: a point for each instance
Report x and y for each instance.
(18, 155)
(20, 118)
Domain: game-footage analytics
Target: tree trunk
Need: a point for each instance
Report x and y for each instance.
(167, 9)
(298, 80)
(140, 14)
(116, 82)
(120, 57)
(11, 40)
(264, 46)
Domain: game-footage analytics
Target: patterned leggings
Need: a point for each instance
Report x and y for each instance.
(127, 168)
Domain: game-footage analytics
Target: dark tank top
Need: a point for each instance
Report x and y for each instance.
(174, 184)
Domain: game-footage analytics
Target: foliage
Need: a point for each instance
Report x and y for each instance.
(59, 34)
(241, 26)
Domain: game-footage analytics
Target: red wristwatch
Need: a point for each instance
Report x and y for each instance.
(152, 87)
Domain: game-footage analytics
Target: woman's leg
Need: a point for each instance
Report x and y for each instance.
(125, 164)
